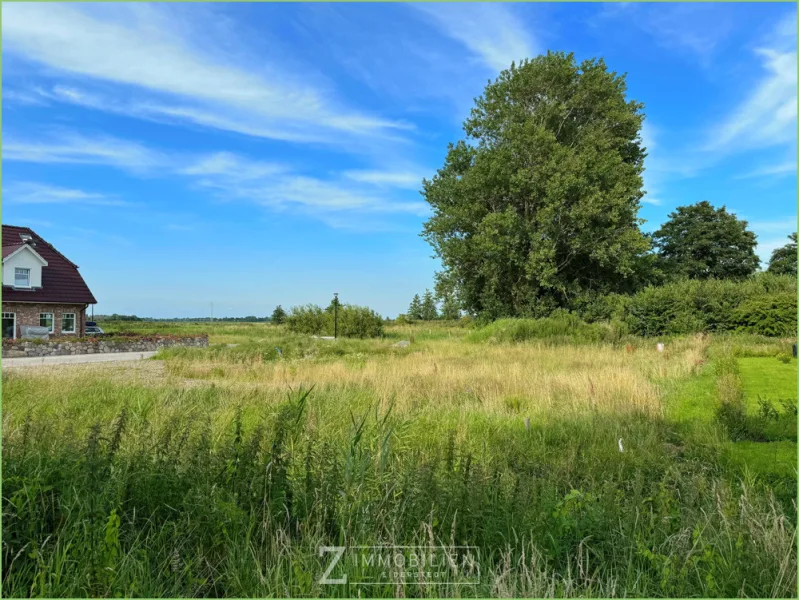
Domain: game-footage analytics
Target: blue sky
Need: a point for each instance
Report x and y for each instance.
(247, 155)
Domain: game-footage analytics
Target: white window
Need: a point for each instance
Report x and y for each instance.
(67, 322)
(9, 325)
(22, 277)
(46, 320)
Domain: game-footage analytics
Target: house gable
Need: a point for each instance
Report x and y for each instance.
(53, 277)
(23, 257)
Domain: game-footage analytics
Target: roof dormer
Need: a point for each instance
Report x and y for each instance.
(22, 266)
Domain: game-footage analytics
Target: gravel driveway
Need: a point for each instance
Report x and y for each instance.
(69, 359)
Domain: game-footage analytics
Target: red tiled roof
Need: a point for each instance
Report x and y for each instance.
(61, 281)
(10, 249)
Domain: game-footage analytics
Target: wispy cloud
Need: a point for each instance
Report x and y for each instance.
(73, 148)
(787, 167)
(695, 30)
(227, 175)
(490, 32)
(33, 97)
(166, 74)
(277, 188)
(767, 115)
(227, 164)
(40, 193)
(401, 179)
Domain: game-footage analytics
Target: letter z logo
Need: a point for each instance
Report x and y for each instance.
(338, 552)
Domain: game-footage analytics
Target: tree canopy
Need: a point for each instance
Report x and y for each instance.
(783, 260)
(278, 315)
(700, 241)
(539, 205)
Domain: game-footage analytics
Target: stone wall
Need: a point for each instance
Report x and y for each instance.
(22, 348)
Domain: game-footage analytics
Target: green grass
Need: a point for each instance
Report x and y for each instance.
(769, 379)
(694, 400)
(769, 458)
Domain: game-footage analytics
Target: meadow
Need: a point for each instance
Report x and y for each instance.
(576, 462)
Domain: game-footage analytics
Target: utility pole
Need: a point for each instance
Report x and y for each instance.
(335, 315)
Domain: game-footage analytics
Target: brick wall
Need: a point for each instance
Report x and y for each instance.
(28, 314)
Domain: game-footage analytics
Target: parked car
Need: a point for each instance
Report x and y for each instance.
(93, 330)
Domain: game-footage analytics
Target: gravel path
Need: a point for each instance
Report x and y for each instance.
(70, 359)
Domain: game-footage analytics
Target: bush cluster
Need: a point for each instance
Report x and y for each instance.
(353, 321)
(764, 304)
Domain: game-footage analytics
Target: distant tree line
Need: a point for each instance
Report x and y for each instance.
(116, 317)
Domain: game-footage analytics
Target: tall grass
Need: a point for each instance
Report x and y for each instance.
(229, 486)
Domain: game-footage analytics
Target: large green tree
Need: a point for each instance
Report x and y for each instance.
(538, 207)
(783, 260)
(700, 241)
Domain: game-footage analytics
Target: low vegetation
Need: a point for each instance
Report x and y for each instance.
(575, 462)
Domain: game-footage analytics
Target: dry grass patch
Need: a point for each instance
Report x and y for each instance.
(530, 378)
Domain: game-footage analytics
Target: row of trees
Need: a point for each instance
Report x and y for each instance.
(426, 308)
(537, 209)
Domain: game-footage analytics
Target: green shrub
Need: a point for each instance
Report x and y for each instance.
(561, 327)
(358, 321)
(353, 321)
(764, 304)
(767, 315)
(308, 319)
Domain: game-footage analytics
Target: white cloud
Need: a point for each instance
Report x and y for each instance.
(167, 75)
(231, 165)
(228, 175)
(69, 147)
(39, 193)
(767, 116)
(490, 31)
(234, 177)
(34, 97)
